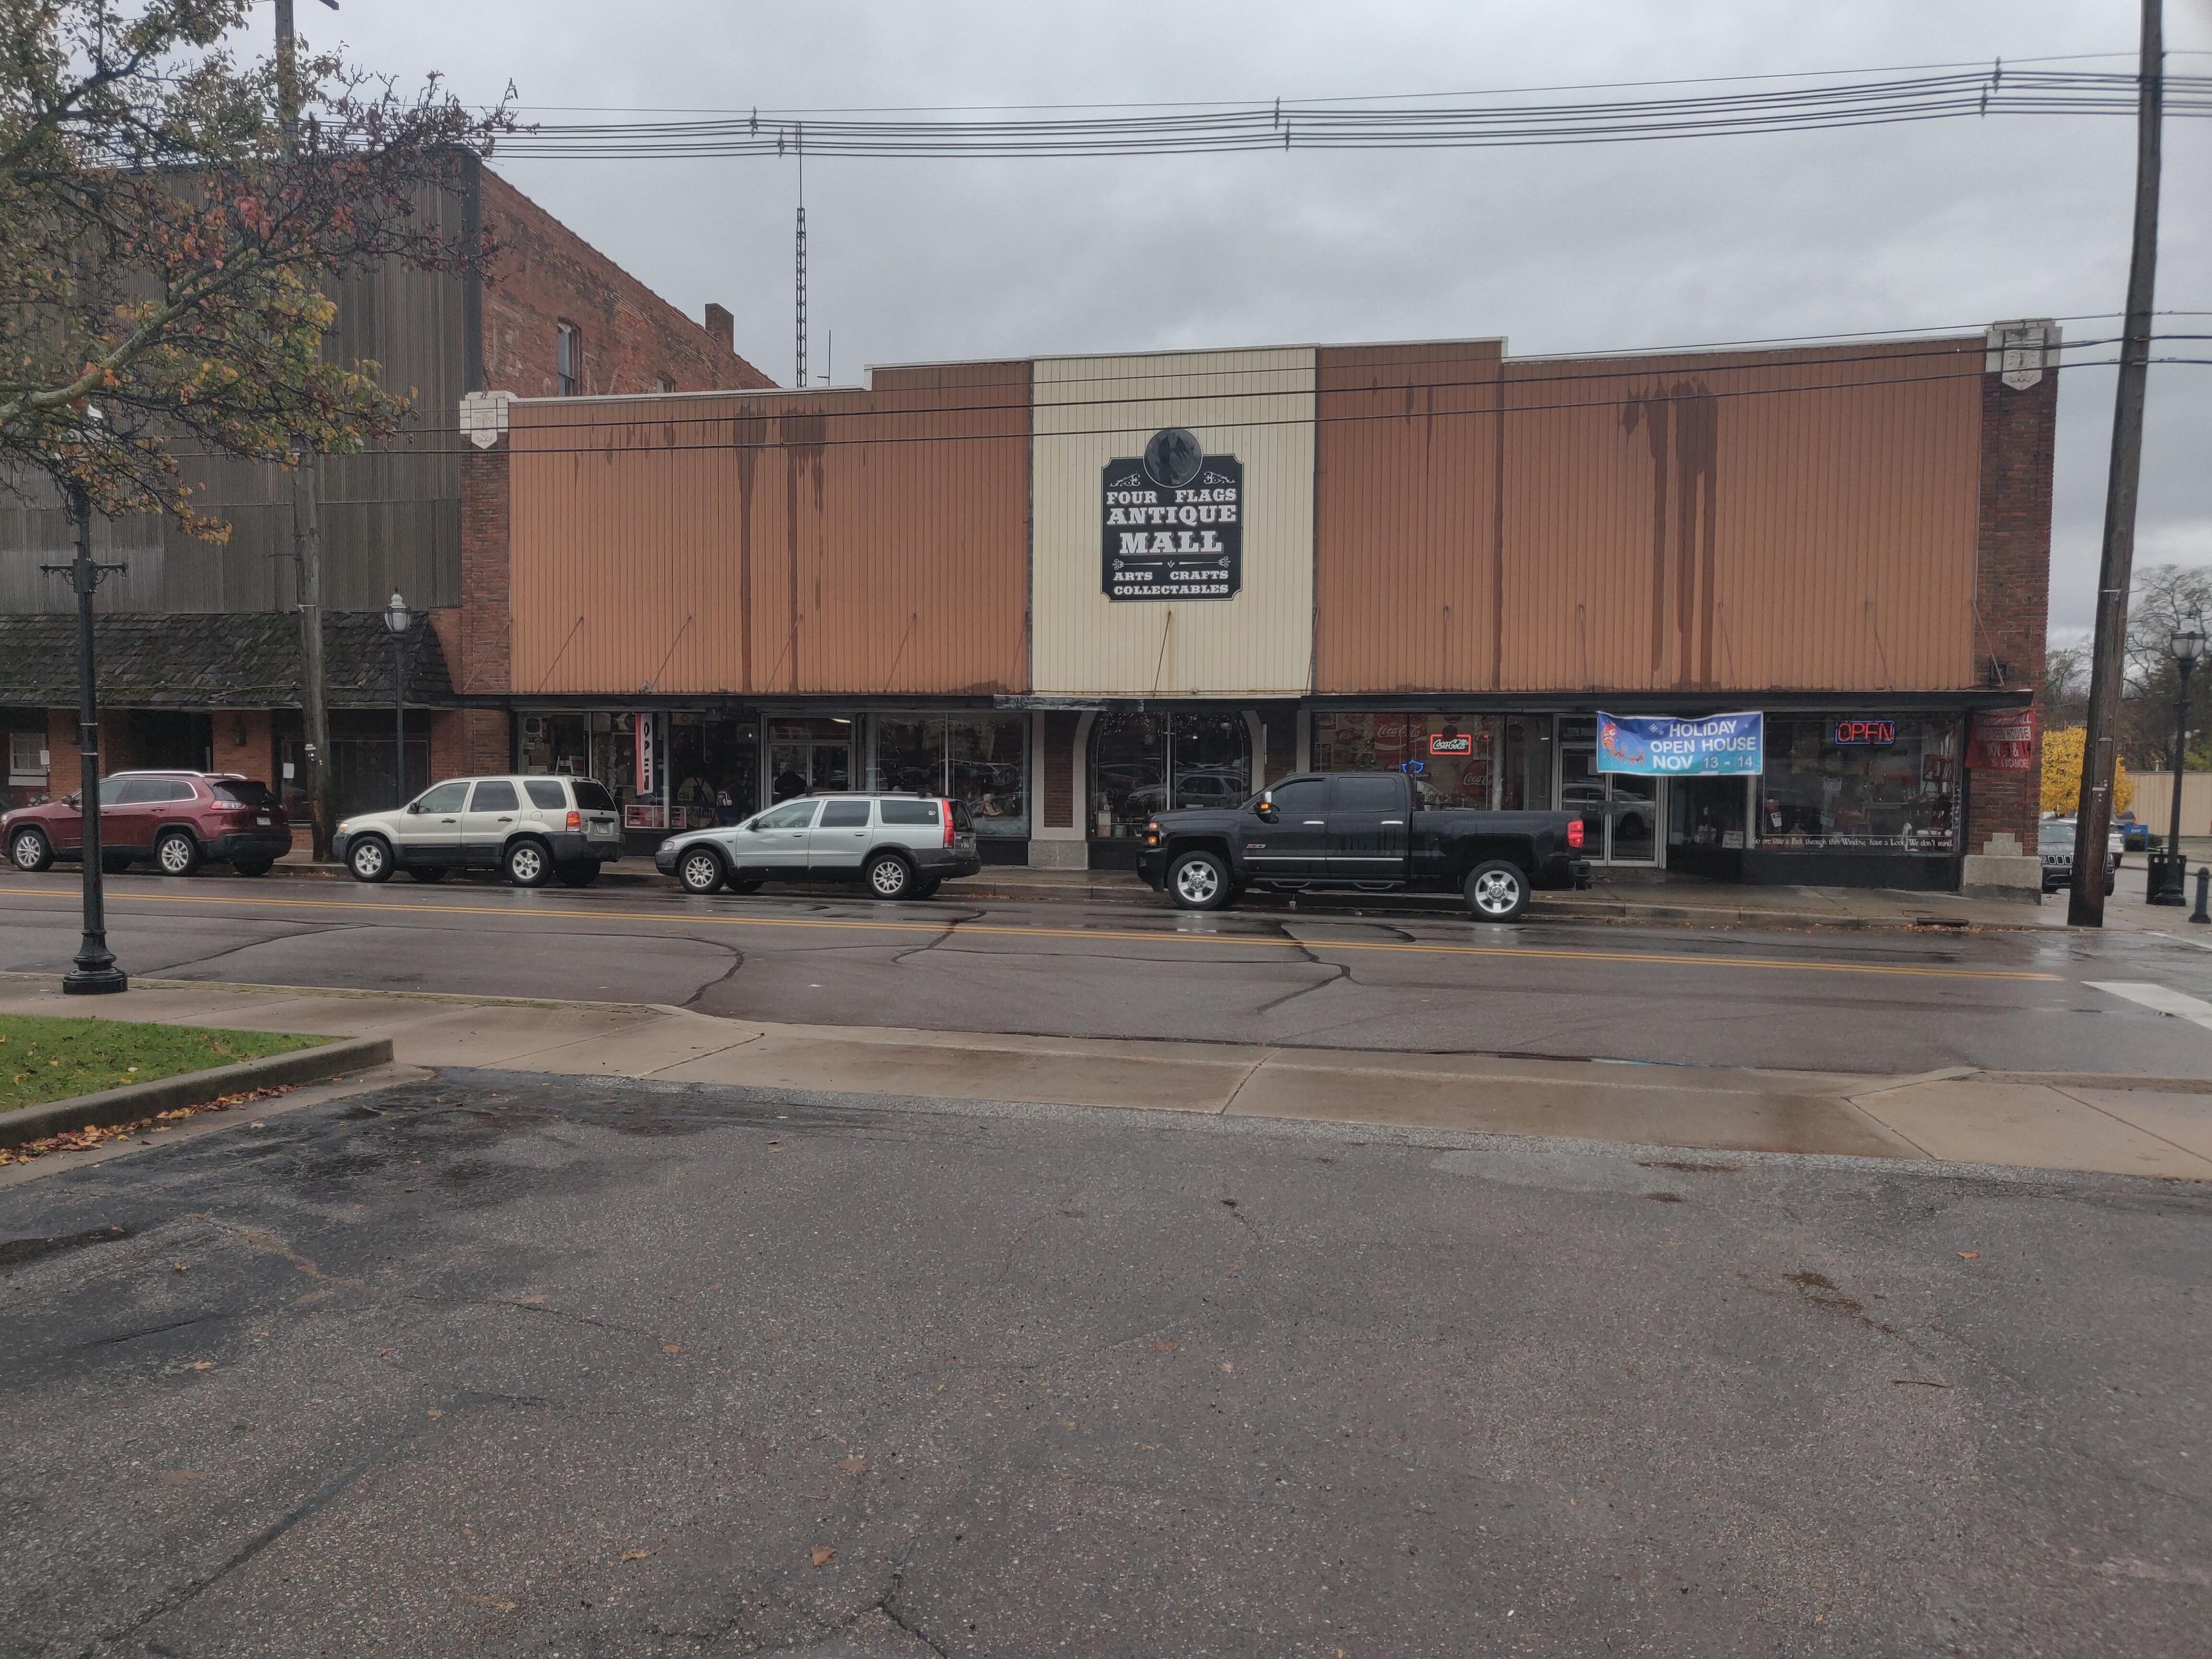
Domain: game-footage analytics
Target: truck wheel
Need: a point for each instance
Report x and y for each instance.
(1198, 881)
(1496, 891)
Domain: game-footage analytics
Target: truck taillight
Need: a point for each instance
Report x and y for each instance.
(576, 819)
(1574, 835)
(945, 808)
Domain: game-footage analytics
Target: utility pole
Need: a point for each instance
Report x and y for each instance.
(94, 973)
(2085, 904)
(800, 150)
(306, 535)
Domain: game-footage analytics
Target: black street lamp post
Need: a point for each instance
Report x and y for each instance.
(397, 620)
(2168, 868)
(95, 972)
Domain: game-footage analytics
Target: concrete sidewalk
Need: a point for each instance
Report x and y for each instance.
(1654, 897)
(2142, 1127)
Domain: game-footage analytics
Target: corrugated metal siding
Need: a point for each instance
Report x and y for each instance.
(1256, 405)
(869, 542)
(1405, 522)
(1743, 521)
(1712, 523)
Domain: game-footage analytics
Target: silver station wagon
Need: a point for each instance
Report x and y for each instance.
(896, 847)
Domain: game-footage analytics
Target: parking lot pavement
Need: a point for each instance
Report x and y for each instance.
(521, 1365)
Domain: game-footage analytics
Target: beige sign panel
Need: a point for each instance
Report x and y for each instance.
(1172, 544)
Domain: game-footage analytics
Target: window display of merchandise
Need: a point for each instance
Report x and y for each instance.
(714, 769)
(1489, 761)
(1818, 796)
(981, 761)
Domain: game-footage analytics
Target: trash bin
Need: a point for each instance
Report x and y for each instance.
(2168, 870)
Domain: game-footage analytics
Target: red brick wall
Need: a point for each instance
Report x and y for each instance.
(464, 742)
(1056, 772)
(253, 758)
(486, 626)
(544, 274)
(2012, 586)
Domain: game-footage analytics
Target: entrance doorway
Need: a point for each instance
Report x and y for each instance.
(809, 756)
(1143, 762)
(1620, 812)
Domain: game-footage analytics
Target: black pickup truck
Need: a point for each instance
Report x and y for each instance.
(1364, 831)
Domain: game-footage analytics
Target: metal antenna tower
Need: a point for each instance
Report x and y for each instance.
(799, 136)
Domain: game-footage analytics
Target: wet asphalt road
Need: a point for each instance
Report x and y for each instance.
(505, 1365)
(1878, 1002)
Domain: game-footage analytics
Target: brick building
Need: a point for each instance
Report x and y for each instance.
(198, 648)
(1445, 559)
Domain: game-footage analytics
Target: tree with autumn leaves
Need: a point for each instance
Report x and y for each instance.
(2062, 774)
(168, 254)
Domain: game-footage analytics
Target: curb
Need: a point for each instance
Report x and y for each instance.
(142, 1100)
(978, 888)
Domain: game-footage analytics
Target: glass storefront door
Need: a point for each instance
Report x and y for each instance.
(809, 757)
(1620, 812)
(1143, 762)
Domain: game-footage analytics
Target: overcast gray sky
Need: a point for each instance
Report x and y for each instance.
(1571, 248)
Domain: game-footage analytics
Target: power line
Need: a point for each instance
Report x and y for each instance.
(1026, 434)
(1976, 347)
(1392, 125)
(811, 111)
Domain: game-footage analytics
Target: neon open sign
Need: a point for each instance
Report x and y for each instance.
(1866, 734)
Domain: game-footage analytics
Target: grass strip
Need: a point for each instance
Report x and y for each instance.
(45, 1059)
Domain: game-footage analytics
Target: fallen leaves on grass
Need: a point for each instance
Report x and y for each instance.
(84, 1140)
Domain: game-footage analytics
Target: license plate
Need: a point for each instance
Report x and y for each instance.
(603, 832)
(264, 819)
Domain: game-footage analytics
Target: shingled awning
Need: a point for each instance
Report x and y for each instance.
(244, 660)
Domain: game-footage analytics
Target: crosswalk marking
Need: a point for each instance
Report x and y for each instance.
(2163, 998)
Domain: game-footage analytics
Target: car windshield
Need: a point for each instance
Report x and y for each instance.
(2059, 832)
(244, 792)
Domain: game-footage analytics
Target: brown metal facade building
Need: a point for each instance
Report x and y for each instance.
(1429, 555)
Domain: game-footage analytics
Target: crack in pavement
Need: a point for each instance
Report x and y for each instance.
(301, 930)
(737, 961)
(1342, 976)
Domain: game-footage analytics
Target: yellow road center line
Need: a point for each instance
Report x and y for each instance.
(990, 930)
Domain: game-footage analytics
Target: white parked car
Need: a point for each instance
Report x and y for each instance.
(895, 846)
(533, 828)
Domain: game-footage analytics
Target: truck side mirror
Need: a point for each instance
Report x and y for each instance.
(1266, 806)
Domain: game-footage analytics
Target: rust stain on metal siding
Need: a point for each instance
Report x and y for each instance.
(842, 542)
(1716, 522)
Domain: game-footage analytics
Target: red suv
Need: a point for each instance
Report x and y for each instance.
(180, 820)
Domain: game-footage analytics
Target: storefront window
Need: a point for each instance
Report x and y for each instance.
(1524, 771)
(714, 765)
(1452, 758)
(1142, 763)
(1897, 796)
(600, 745)
(980, 761)
(989, 772)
